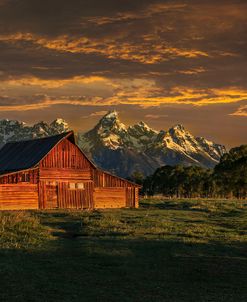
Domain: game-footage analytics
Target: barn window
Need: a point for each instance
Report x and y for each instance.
(25, 177)
(72, 185)
(80, 185)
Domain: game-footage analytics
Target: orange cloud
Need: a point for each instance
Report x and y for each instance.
(149, 11)
(34, 81)
(193, 71)
(98, 91)
(150, 95)
(150, 51)
(242, 111)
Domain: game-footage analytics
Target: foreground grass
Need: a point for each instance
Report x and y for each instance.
(165, 251)
(21, 230)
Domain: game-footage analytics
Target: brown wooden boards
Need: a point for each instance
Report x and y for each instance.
(109, 198)
(65, 174)
(52, 196)
(65, 155)
(18, 197)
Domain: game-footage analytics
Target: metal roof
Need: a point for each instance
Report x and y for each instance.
(16, 156)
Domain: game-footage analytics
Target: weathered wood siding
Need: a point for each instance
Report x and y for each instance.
(18, 196)
(63, 167)
(65, 174)
(105, 187)
(65, 155)
(109, 198)
(66, 197)
(104, 179)
(28, 176)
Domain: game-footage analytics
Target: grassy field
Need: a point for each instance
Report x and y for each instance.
(165, 251)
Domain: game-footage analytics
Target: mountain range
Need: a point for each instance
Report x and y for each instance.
(123, 150)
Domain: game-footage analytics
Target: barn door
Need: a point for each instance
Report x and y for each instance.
(51, 196)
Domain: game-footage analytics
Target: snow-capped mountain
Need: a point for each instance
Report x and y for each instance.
(11, 130)
(123, 150)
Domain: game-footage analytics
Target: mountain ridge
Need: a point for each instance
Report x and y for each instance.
(145, 148)
(123, 149)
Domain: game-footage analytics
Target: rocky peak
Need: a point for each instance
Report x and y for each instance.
(110, 122)
(60, 125)
(14, 123)
(177, 129)
(40, 128)
(143, 126)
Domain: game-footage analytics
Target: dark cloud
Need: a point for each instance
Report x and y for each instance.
(137, 53)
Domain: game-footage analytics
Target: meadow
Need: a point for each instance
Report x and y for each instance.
(167, 250)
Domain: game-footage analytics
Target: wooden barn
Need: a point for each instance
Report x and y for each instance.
(52, 172)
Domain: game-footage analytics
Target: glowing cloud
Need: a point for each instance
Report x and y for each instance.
(242, 111)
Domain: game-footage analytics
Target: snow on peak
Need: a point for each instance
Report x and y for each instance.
(113, 114)
(142, 124)
(178, 127)
(11, 122)
(60, 121)
(13, 130)
(110, 122)
(142, 132)
(163, 146)
(60, 124)
(145, 127)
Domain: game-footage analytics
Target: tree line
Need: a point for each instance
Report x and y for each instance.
(227, 180)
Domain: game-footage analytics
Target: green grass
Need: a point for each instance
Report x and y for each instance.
(168, 250)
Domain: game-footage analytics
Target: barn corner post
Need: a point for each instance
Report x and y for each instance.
(137, 197)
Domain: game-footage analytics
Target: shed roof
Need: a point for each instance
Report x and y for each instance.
(16, 156)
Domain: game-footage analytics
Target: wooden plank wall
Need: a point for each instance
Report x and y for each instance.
(104, 179)
(75, 198)
(17, 177)
(63, 165)
(65, 155)
(65, 174)
(110, 182)
(68, 198)
(18, 196)
(109, 198)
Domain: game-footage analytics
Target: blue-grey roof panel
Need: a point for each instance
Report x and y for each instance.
(15, 156)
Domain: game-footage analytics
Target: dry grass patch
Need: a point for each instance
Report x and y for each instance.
(20, 229)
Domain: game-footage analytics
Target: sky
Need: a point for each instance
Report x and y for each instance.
(163, 62)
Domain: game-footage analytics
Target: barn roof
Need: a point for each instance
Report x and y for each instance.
(16, 156)
(26, 154)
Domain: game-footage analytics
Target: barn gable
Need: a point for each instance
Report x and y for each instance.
(66, 154)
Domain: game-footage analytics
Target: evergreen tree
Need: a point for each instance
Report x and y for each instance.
(228, 179)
